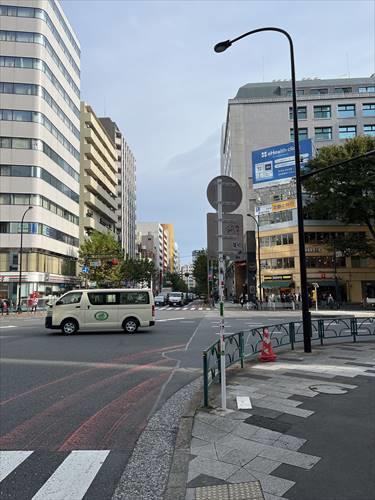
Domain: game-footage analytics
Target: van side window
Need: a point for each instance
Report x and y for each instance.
(134, 298)
(71, 298)
(102, 298)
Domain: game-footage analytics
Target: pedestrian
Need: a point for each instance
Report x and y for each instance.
(6, 306)
(2, 306)
(34, 304)
(330, 301)
(241, 301)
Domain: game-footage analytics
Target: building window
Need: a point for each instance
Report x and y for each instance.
(301, 111)
(360, 261)
(298, 92)
(280, 263)
(302, 134)
(369, 130)
(323, 133)
(322, 111)
(318, 91)
(347, 132)
(364, 90)
(325, 262)
(369, 109)
(346, 110)
(343, 90)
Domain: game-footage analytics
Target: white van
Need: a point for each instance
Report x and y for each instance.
(105, 309)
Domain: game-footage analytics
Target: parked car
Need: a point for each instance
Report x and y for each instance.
(160, 300)
(176, 299)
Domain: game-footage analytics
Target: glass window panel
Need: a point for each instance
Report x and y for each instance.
(369, 130)
(369, 109)
(347, 132)
(71, 298)
(322, 111)
(346, 110)
(5, 142)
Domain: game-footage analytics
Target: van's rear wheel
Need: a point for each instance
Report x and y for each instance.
(69, 327)
(130, 325)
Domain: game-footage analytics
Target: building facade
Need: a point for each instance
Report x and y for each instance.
(98, 188)
(187, 275)
(260, 116)
(40, 148)
(155, 237)
(126, 188)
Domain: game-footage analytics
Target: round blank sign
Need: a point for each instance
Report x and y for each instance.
(231, 193)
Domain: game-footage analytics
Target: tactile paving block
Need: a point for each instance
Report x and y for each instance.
(237, 491)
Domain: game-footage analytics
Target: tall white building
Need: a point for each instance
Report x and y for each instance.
(40, 146)
(186, 273)
(126, 188)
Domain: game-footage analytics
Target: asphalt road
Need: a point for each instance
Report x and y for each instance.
(72, 408)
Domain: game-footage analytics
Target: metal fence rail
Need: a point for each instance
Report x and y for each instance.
(244, 344)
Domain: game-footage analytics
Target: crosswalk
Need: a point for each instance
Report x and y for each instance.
(73, 475)
(184, 308)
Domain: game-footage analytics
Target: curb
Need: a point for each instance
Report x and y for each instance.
(159, 463)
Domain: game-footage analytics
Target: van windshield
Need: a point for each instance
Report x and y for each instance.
(175, 294)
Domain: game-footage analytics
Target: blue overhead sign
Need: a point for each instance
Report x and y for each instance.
(276, 164)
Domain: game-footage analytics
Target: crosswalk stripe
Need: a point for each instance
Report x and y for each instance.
(74, 476)
(192, 309)
(9, 460)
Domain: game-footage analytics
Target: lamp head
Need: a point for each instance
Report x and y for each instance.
(222, 46)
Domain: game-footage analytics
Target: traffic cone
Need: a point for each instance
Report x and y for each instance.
(267, 353)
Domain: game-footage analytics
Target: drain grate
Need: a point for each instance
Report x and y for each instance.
(236, 491)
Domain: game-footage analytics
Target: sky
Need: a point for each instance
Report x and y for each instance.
(150, 66)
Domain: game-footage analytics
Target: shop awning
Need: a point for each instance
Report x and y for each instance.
(275, 284)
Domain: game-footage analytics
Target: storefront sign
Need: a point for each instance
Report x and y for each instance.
(278, 277)
(284, 205)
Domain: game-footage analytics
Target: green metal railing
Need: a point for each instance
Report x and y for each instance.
(244, 344)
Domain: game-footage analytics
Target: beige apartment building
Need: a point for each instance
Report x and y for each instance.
(98, 187)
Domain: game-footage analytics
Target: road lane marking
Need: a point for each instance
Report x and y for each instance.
(74, 476)
(168, 319)
(8, 326)
(84, 364)
(9, 460)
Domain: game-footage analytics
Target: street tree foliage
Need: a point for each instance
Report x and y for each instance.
(200, 272)
(175, 281)
(345, 193)
(134, 271)
(101, 254)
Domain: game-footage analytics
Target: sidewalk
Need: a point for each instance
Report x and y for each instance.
(25, 314)
(310, 434)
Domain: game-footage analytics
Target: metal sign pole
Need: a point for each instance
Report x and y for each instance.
(221, 291)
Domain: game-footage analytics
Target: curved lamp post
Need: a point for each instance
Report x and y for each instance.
(259, 268)
(19, 309)
(306, 318)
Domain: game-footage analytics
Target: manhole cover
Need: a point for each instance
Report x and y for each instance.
(328, 389)
(237, 491)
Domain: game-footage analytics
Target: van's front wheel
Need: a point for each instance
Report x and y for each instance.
(130, 325)
(69, 327)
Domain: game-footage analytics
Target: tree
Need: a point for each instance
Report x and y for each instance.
(176, 282)
(138, 270)
(345, 193)
(101, 254)
(200, 272)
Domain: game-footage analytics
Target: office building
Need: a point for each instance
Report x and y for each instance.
(98, 188)
(126, 188)
(40, 147)
(186, 273)
(260, 116)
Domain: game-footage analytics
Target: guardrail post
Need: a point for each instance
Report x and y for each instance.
(321, 330)
(292, 335)
(354, 328)
(242, 348)
(205, 380)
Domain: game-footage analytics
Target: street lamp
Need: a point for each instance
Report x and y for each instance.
(306, 318)
(259, 268)
(19, 310)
